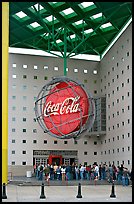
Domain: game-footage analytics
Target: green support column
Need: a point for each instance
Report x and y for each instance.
(65, 51)
(5, 40)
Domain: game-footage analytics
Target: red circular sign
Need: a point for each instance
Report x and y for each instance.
(66, 108)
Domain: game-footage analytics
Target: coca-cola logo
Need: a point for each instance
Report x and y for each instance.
(66, 108)
(69, 105)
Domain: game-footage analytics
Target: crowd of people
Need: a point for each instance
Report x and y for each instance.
(83, 172)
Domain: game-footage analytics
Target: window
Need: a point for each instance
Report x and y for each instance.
(75, 142)
(65, 142)
(117, 100)
(117, 137)
(128, 94)
(95, 153)
(13, 140)
(117, 76)
(24, 130)
(122, 149)
(13, 97)
(45, 67)
(13, 129)
(85, 80)
(24, 163)
(75, 70)
(85, 142)
(117, 112)
(123, 123)
(25, 66)
(55, 142)
(56, 68)
(13, 162)
(128, 162)
(95, 143)
(35, 67)
(112, 68)
(95, 91)
(35, 77)
(118, 125)
(24, 76)
(24, 108)
(118, 150)
(13, 151)
(128, 121)
(45, 78)
(45, 141)
(14, 86)
(14, 65)
(14, 76)
(122, 110)
(23, 141)
(24, 119)
(113, 151)
(128, 107)
(34, 130)
(34, 141)
(108, 140)
(85, 153)
(122, 136)
(122, 97)
(122, 72)
(85, 71)
(109, 151)
(117, 88)
(127, 80)
(122, 84)
(127, 54)
(113, 138)
(23, 152)
(128, 134)
(128, 67)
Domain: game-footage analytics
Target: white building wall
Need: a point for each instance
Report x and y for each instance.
(25, 98)
(115, 83)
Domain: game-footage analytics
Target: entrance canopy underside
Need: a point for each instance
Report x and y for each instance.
(70, 28)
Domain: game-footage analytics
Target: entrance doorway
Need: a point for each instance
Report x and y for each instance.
(55, 159)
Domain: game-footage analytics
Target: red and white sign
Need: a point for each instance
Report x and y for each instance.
(66, 108)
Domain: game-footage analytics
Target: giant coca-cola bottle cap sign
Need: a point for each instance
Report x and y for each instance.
(63, 108)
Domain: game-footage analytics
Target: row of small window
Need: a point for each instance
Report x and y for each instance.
(122, 59)
(117, 138)
(117, 88)
(122, 97)
(117, 76)
(56, 142)
(118, 113)
(128, 162)
(56, 68)
(86, 153)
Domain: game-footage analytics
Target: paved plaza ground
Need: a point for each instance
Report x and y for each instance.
(29, 191)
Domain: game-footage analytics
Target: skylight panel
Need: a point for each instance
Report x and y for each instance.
(87, 4)
(98, 15)
(50, 18)
(88, 31)
(68, 11)
(106, 25)
(78, 22)
(38, 7)
(58, 41)
(21, 14)
(72, 36)
(35, 24)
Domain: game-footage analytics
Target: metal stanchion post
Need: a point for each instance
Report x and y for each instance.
(4, 196)
(112, 193)
(42, 191)
(79, 191)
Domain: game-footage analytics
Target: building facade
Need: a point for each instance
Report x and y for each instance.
(28, 144)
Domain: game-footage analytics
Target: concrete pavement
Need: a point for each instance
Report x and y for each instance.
(90, 193)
